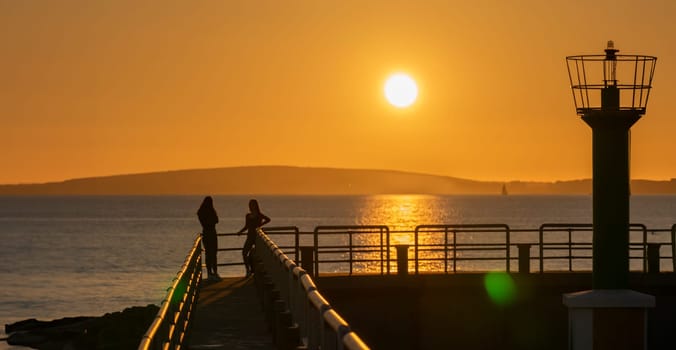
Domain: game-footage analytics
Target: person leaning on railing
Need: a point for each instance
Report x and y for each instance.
(252, 222)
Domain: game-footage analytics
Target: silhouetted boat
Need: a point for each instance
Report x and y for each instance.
(504, 190)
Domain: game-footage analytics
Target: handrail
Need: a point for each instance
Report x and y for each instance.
(359, 249)
(335, 328)
(353, 342)
(559, 227)
(461, 228)
(569, 228)
(320, 326)
(350, 230)
(169, 327)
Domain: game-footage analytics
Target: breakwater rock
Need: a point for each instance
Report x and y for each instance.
(117, 330)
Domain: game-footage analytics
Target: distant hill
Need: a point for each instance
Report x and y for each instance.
(284, 180)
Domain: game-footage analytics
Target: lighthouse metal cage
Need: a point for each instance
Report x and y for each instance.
(630, 76)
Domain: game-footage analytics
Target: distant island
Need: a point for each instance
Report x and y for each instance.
(287, 180)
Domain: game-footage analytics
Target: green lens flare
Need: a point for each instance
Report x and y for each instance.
(500, 287)
(181, 287)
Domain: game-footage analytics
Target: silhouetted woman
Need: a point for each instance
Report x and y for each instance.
(209, 219)
(253, 221)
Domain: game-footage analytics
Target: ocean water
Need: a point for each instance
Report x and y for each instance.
(68, 256)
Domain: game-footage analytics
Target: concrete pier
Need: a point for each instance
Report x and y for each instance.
(433, 311)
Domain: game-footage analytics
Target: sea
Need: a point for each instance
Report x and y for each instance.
(63, 256)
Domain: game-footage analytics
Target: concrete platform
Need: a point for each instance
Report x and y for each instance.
(456, 311)
(229, 316)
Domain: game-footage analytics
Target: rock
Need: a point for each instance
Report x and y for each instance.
(32, 323)
(118, 330)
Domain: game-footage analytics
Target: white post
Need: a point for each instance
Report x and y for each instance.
(604, 319)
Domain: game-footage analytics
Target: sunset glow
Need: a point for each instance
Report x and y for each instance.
(94, 88)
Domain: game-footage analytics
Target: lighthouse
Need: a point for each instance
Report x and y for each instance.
(610, 92)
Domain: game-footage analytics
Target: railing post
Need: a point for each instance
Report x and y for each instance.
(653, 258)
(307, 259)
(507, 247)
(278, 322)
(268, 298)
(541, 248)
(288, 333)
(402, 259)
(524, 257)
(415, 254)
(349, 234)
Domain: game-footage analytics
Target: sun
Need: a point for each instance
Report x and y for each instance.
(401, 90)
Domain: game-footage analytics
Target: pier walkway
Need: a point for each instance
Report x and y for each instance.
(229, 316)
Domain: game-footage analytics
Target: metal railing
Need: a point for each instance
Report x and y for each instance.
(455, 248)
(352, 250)
(280, 231)
(463, 248)
(571, 245)
(318, 325)
(169, 327)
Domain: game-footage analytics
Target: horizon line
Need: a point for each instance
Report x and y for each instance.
(309, 167)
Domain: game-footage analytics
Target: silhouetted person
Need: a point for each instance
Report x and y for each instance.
(253, 221)
(208, 218)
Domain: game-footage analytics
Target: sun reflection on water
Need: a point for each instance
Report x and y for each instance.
(388, 221)
(401, 213)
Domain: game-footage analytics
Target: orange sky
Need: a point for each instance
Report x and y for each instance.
(91, 88)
